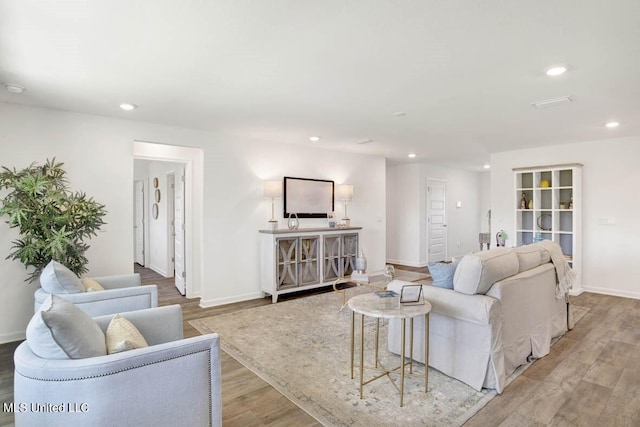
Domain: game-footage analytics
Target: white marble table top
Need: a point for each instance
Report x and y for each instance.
(368, 304)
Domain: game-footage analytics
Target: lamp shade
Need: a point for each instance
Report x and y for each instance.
(344, 192)
(273, 189)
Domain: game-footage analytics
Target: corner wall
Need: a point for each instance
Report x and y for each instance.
(609, 189)
(407, 211)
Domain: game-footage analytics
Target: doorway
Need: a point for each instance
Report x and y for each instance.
(187, 162)
(436, 220)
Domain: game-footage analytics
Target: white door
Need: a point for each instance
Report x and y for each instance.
(179, 215)
(436, 221)
(171, 221)
(138, 222)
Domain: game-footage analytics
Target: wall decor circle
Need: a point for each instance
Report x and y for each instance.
(155, 182)
(157, 195)
(154, 211)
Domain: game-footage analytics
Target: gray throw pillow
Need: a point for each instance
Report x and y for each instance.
(58, 279)
(60, 330)
(442, 273)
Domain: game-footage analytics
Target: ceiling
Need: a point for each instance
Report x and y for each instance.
(464, 72)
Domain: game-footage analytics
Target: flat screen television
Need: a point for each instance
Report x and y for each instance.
(308, 198)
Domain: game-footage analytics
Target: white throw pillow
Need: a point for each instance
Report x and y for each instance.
(91, 285)
(60, 330)
(122, 335)
(58, 279)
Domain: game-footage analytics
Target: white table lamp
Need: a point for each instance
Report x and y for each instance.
(273, 190)
(344, 192)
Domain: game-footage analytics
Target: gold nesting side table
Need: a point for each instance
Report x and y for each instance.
(367, 305)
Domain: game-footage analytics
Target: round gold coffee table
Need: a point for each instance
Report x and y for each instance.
(368, 305)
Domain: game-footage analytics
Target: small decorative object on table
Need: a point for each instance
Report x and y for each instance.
(501, 238)
(361, 266)
(531, 204)
(389, 274)
(331, 218)
(293, 222)
(389, 300)
(411, 294)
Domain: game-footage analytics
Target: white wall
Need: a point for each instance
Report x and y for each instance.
(98, 155)
(407, 215)
(403, 214)
(609, 188)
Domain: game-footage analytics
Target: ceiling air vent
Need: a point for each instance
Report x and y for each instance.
(552, 102)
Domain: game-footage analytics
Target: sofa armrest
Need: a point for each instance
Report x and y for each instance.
(157, 325)
(479, 309)
(109, 301)
(119, 281)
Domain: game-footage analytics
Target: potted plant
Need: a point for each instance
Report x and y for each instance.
(53, 222)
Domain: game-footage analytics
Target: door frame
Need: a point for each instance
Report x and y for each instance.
(428, 222)
(144, 221)
(193, 160)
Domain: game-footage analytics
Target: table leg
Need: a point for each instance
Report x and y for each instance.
(404, 328)
(426, 353)
(353, 331)
(377, 338)
(361, 353)
(411, 346)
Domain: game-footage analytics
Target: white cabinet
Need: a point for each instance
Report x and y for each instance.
(548, 206)
(295, 260)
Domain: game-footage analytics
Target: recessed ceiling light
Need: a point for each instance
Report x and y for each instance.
(556, 70)
(399, 113)
(13, 88)
(128, 107)
(314, 138)
(612, 125)
(487, 166)
(412, 155)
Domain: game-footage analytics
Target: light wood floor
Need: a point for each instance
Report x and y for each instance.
(590, 378)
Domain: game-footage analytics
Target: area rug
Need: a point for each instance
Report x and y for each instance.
(302, 347)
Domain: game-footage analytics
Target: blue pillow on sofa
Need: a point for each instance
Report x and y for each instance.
(442, 273)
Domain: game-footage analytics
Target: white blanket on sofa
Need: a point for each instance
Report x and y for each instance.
(564, 274)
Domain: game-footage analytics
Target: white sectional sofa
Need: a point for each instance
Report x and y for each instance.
(502, 310)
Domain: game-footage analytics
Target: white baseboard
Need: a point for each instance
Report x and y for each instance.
(11, 337)
(407, 263)
(158, 270)
(229, 300)
(612, 292)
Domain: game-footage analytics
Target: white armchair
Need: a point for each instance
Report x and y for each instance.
(121, 292)
(172, 382)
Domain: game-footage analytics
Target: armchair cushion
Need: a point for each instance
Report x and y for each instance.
(58, 279)
(91, 285)
(122, 335)
(60, 330)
